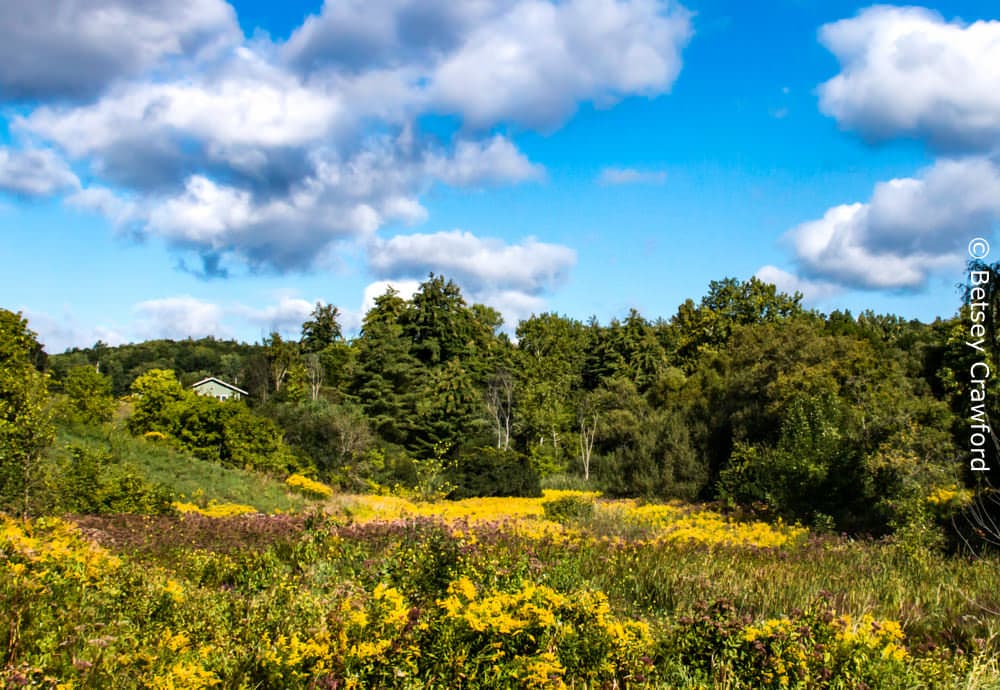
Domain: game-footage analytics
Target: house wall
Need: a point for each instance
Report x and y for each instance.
(214, 390)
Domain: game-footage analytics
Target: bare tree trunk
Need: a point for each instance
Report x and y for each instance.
(315, 370)
(500, 403)
(587, 434)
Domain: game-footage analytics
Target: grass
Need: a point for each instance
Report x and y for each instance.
(186, 477)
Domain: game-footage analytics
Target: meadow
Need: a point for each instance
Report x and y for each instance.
(567, 590)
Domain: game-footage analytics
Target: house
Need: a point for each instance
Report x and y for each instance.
(220, 390)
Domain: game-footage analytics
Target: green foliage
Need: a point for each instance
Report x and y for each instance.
(94, 481)
(741, 395)
(153, 392)
(191, 359)
(322, 329)
(729, 303)
(811, 471)
(493, 472)
(225, 432)
(645, 452)
(569, 508)
(323, 435)
(25, 419)
(814, 648)
(158, 464)
(88, 396)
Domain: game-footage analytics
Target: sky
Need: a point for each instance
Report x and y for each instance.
(183, 168)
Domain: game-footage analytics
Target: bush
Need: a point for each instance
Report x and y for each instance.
(568, 508)
(94, 481)
(815, 648)
(493, 472)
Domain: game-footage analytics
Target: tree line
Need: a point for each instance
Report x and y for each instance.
(841, 421)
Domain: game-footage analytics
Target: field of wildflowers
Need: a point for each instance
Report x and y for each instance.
(563, 591)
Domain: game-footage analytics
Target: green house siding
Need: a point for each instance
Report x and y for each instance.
(215, 390)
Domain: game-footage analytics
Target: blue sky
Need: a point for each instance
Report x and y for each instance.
(191, 167)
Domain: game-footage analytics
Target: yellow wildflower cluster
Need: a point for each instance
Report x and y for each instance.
(309, 487)
(369, 626)
(767, 629)
(185, 675)
(52, 547)
(488, 509)
(882, 636)
(669, 522)
(676, 523)
(215, 509)
(522, 628)
(295, 658)
(174, 590)
(950, 496)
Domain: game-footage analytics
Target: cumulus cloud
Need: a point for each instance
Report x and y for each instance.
(252, 120)
(905, 71)
(58, 334)
(474, 262)
(74, 48)
(107, 203)
(287, 315)
(273, 155)
(789, 283)
(474, 163)
(509, 277)
(909, 229)
(34, 172)
(620, 176)
(528, 61)
(532, 63)
(179, 317)
(361, 35)
(343, 199)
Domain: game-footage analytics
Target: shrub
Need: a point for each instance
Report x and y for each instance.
(569, 507)
(493, 472)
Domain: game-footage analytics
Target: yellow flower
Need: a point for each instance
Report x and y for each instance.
(308, 486)
(175, 590)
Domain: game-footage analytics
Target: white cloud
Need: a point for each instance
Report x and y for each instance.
(358, 35)
(34, 172)
(287, 315)
(250, 118)
(58, 334)
(910, 228)
(179, 317)
(58, 48)
(527, 61)
(620, 176)
(405, 288)
(493, 161)
(272, 156)
(475, 263)
(510, 277)
(907, 72)
(104, 201)
(533, 63)
(789, 283)
(342, 200)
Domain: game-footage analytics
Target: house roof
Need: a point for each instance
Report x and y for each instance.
(222, 383)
